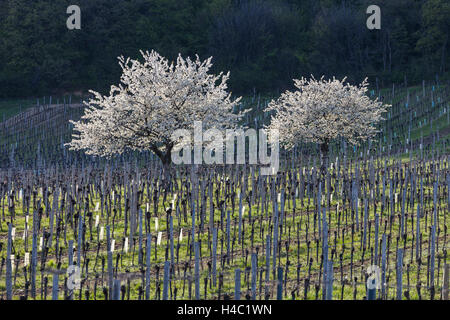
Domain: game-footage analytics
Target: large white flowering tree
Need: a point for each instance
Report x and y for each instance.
(154, 99)
(321, 111)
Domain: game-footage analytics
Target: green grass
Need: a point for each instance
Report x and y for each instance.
(12, 107)
(128, 261)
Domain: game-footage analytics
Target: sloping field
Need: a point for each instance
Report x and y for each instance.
(381, 212)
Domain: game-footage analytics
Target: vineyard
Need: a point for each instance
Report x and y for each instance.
(374, 227)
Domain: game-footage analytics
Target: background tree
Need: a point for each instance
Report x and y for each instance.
(321, 111)
(257, 40)
(434, 36)
(154, 99)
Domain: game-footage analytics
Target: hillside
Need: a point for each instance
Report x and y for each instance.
(417, 121)
(384, 204)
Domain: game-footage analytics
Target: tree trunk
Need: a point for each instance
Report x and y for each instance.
(167, 175)
(166, 159)
(324, 159)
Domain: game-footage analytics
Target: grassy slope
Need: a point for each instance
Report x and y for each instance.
(130, 261)
(11, 107)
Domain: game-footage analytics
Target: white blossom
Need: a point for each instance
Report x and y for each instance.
(154, 99)
(323, 110)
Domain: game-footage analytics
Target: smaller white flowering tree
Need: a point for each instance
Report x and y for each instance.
(155, 98)
(321, 111)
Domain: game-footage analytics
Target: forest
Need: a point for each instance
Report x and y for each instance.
(264, 44)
